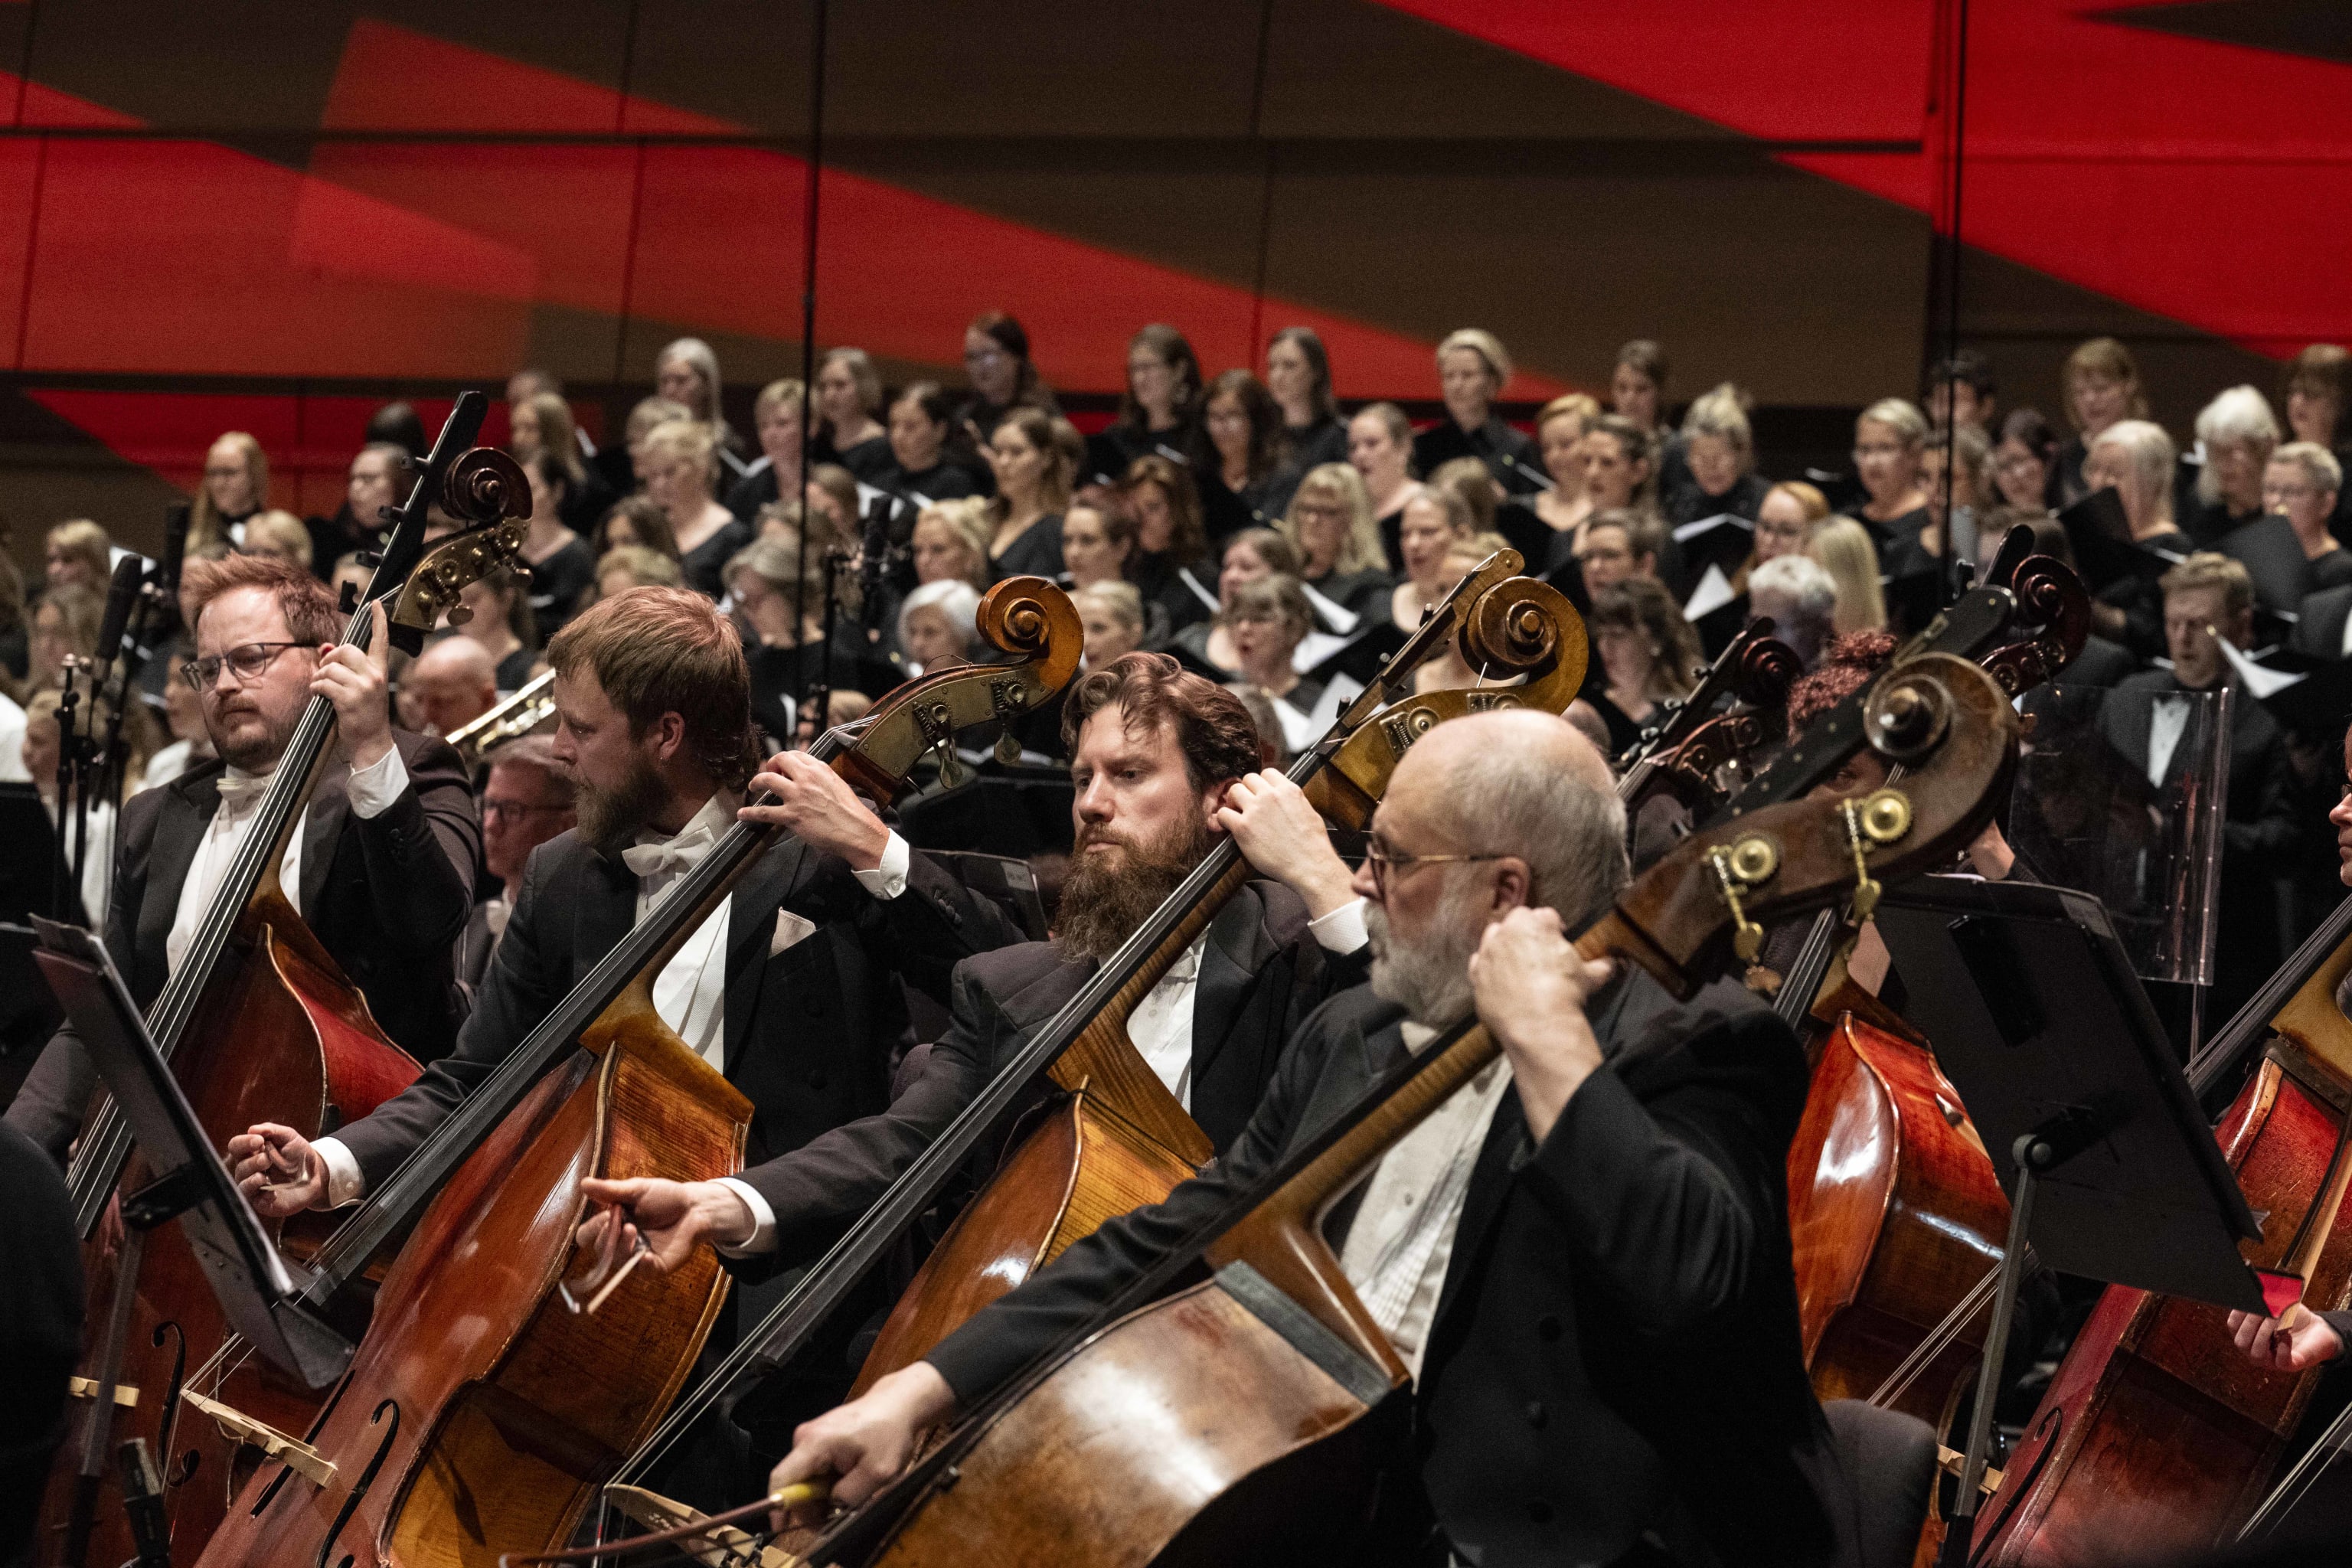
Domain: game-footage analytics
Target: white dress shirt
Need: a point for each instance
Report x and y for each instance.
(2166, 723)
(373, 791)
(691, 993)
(1161, 1028)
(1403, 1238)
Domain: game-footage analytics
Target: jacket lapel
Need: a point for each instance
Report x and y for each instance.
(1366, 1058)
(604, 910)
(783, 872)
(1237, 948)
(188, 808)
(322, 829)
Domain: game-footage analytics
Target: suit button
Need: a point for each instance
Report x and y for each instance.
(1540, 1511)
(816, 1080)
(1536, 1413)
(1548, 1328)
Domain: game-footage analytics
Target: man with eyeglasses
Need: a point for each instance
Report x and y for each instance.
(1582, 1257)
(380, 866)
(527, 800)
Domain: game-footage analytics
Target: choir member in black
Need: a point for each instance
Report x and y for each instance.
(2307, 479)
(1615, 1182)
(996, 362)
(848, 396)
(1255, 553)
(1160, 410)
(2289, 552)
(1436, 518)
(450, 684)
(1647, 652)
(1785, 519)
(374, 486)
(831, 495)
(1720, 449)
(236, 486)
(778, 594)
(950, 542)
(938, 625)
(2206, 594)
(1034, 476)
(527, 799)
(1244, 430)
(775, 475)
(1802, 597)
(2102, 385)
(1621, 474)
(920, 422)
(499, 619)
(2237, 432)
(686, 372)
(1889, 439)
(1637, 392)
(1379, 448)
(1473, 368)
(1299, 378)
(1341, 562)
(561, 565)
(2319, 393)
(1267, 620)
(1170, 566)
(2025, 461)
(1111, 616)
(540, 423)
(1561, 426)
(1961, 390)
(638, 521)
(680, 462)
(1097, 541)
(2137, 458)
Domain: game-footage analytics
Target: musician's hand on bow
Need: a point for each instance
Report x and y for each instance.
(672, 1216)
(277, 1170)
(817, 805)
(866, 1442)
(1286, 838)
(2297, 1341)
(355, 682)
(1530, 985)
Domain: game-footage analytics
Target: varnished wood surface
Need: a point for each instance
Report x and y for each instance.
(277, 1038)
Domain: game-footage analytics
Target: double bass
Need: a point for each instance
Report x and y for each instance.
(1238, 1418)
(1117, 1138)
(259, 1023)
(486, 1401)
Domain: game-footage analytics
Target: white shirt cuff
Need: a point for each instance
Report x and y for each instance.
(763, 1218)
(344, 1182)
(888, 879)
(1342, 931)
(373, 789)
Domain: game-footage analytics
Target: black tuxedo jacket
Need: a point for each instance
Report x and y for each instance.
(387, 896)
(1615, 1361)
(808, 1030)
(1261, 971)
(2319, 623)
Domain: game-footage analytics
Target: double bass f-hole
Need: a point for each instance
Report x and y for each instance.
(367, 1479)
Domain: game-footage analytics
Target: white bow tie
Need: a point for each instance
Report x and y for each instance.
(238, 791)
(662, 856)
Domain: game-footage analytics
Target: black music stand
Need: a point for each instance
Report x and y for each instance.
(2112, 1170)
(189, 1182)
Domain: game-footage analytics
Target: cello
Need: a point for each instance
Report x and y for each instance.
(1236, 1419)
(1056, 1187)
(485, 1401)
(258, 1022)
(1343, 783)
(2156, 1423)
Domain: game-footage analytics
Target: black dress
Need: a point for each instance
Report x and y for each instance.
(2211, 523)
(1622, 730)
(1225, 512)
(869, 460)
(1111, 451)
(1688, 503)
(1310, 446)
(1186, 594)
(558, 583)
(2283, 574)
(756, 488)
(1509, 456)
(514, 670)
(1361, 594)
(705, 562)
(1391, 527)
(942, 480)
(1037, 553)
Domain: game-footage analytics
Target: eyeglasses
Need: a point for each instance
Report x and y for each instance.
(982, 356)
(497, 808)
(246, 663)
(1383, 863)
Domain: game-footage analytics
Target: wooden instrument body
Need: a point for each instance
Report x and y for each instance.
(1896, 1214)
(280, 1035)
(1190, 1432)
(2156, 1430)
(481, 1412)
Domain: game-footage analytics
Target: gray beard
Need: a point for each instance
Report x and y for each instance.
(1431, 981)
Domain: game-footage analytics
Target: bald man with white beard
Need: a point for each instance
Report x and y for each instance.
(1583, 1256)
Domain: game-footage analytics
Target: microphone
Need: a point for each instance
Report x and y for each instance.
(120, 597)
(176, 547)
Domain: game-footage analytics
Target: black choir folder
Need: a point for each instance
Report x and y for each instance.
(2043, 1028)
(187, 1180)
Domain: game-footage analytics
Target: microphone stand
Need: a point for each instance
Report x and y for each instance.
(820, 696)
(66, 877)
